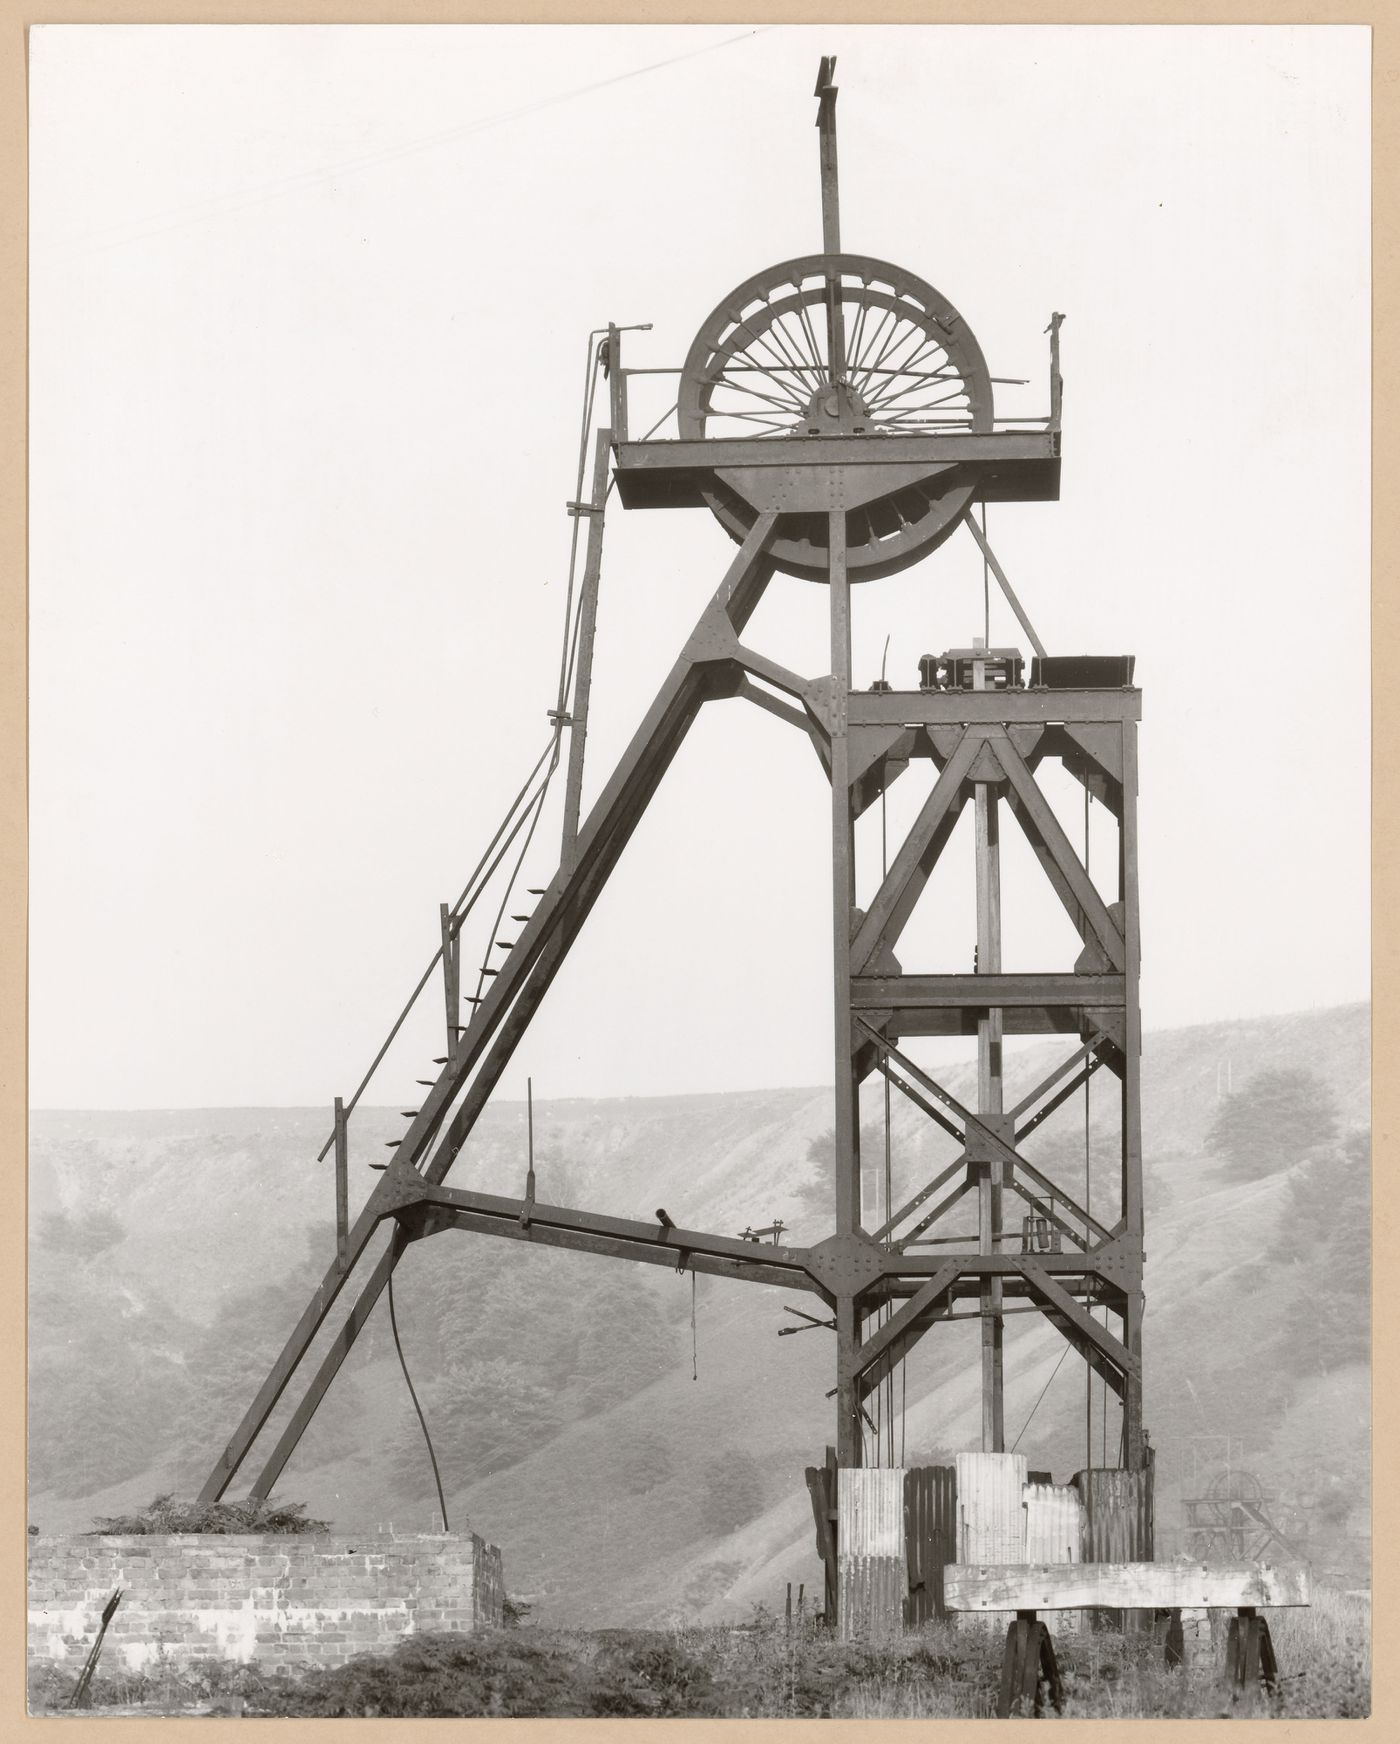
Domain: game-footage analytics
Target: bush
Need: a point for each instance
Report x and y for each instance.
(1276, 1120)
(166, 1515)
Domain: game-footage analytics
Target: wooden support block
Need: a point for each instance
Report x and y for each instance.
(1249, 1653)
(1028, 1665)
(1122, 1585)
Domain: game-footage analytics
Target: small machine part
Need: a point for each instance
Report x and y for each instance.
(1039, 1235)
(1001, 669)
(1082, 671)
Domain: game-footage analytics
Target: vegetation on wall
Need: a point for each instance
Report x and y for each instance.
(166, 1515)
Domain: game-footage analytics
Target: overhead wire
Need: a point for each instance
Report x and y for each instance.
(306, 180)
(1043, 1391)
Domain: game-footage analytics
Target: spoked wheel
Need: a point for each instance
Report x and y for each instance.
(1235, 1486)
(906, 364)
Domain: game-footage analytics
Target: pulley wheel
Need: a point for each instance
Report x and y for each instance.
(761, 367)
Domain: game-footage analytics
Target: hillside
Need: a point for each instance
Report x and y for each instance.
(171, 1252)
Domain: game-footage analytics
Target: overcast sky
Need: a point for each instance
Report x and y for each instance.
(309, 311)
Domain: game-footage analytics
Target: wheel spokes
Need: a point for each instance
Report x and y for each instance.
(898, 366)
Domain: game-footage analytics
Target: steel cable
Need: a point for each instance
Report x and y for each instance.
(423, 1421)
(1043, 1391)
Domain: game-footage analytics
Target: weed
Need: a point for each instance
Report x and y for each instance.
(165, 1514)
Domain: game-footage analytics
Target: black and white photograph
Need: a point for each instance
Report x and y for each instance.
(699, 946)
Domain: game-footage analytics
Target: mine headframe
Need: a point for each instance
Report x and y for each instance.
(835, 414)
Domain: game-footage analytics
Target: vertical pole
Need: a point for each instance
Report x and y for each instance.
(617, 383)
(451, 974)
(848, 1211)
(1056, 383)
(583, 671)
(530, 1140)
(342, 1184)
(989, 1098)
(831, 215)
(1134, 1438)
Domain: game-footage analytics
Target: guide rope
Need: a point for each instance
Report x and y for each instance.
(423, 1421)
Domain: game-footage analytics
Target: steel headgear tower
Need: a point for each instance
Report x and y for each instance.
(835, 414)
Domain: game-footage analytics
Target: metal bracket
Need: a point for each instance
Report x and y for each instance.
(845, 1264)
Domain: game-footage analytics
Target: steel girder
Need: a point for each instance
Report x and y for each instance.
(863, 740)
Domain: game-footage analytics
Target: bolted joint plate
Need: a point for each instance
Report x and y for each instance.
(845, 1265)
(401, 1188)
(979, 1148)
(1119, 1262)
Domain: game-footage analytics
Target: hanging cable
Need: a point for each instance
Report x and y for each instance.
(986, 585)
(694, 1342)
(423, 1421)
(1043, 1391)
(885, 1416)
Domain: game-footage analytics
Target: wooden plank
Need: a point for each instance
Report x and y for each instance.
(1051, 1586)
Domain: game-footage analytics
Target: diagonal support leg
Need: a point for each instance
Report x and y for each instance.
(513, 998)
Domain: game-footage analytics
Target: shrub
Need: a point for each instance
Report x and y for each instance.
(166, 1515)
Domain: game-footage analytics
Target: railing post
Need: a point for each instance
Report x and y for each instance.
(1056, 383)
(342, 1184)
(617, 383)
(451, 974)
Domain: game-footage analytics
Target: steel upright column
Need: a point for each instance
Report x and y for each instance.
(847, 1143)
(1135, 1451)
(989, 1099)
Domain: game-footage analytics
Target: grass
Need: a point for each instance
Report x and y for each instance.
(759, 1671)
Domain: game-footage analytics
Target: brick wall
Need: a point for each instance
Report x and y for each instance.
(277, 1599)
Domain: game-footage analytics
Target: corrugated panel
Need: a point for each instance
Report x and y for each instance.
(930, 1538)
(1118, 1515)
(1117, 1527)
(1054, 1523)
(870, 1512)
(991, 1518)
(870, 1597)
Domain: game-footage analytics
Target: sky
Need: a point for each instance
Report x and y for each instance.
(309, 319)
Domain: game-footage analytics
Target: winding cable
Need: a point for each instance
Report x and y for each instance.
(1043, 1391)
(423, 1421)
